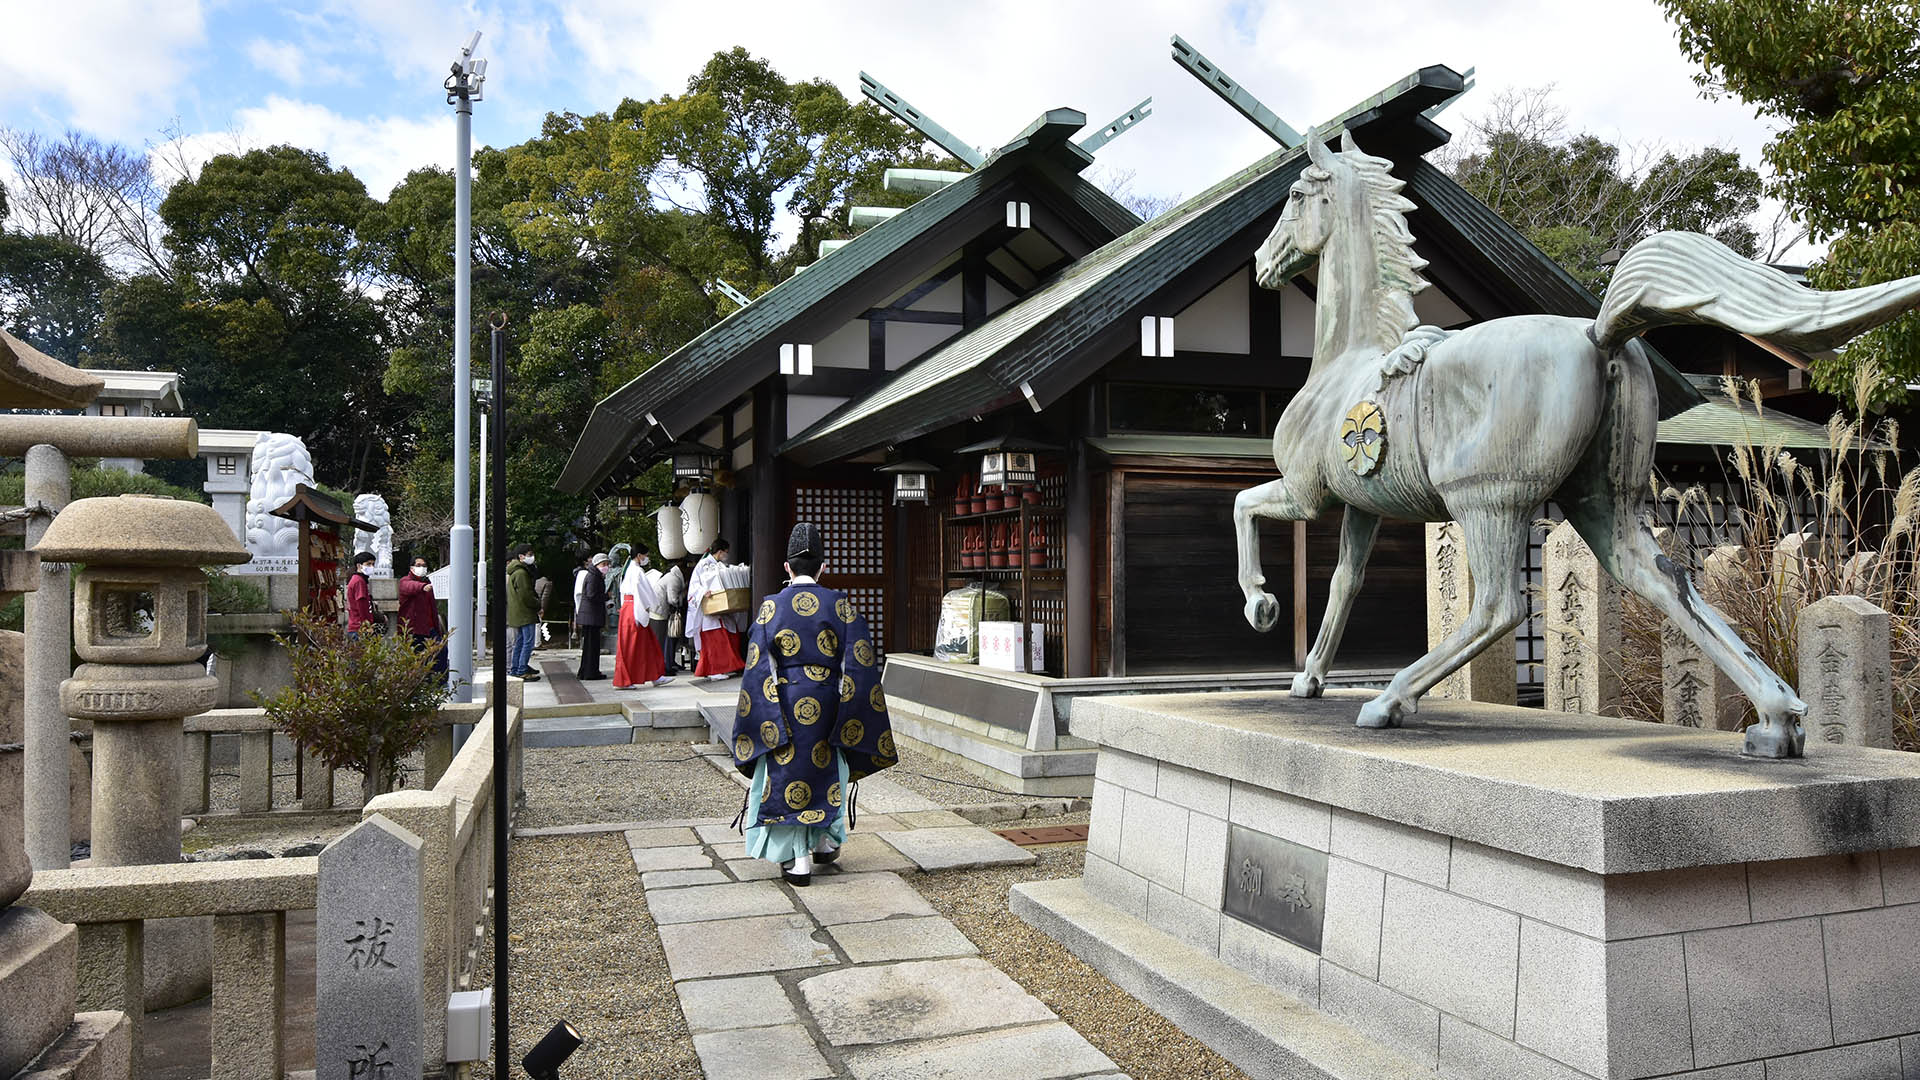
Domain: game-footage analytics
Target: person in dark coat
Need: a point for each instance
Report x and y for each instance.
(812, 718)
(420, 613)
(590, 614)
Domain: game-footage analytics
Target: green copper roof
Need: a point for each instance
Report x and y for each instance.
(712, 369)
(1720, 421)
(1036, 340)
(1211, 446)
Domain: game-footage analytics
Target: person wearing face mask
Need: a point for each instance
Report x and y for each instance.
(420, 613)
(523, 614)
(362, 618)
(637, 659)
(715, 635)
(590, 615)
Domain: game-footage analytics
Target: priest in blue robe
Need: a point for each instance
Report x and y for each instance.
(812, 717)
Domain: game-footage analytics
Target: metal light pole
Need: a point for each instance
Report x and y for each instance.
(463, 88)
(482, 629)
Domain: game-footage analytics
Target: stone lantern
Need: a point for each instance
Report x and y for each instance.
(140, 626)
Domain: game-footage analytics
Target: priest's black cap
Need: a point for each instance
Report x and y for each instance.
(806, 540)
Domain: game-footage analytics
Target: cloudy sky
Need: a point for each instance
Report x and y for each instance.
(360, 79)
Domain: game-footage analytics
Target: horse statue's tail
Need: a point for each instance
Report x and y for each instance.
(1684, 277)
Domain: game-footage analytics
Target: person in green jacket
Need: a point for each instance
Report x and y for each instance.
(523, 614)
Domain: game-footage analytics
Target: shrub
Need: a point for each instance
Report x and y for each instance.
(365, 703)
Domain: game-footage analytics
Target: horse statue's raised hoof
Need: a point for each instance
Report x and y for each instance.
(1382, 712)
(1263, 611)
(1777, 737)
(1307, 685)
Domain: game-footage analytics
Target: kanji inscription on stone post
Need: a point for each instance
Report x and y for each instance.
(1846, 672)
(369, 956)
(1488, 676)
(1582, 627)
(1695, 693)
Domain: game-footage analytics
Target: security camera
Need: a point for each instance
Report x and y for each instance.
(472, 44)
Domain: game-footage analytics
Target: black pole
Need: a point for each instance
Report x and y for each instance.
(497, 633)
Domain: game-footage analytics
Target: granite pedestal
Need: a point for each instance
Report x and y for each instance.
(1497, 892)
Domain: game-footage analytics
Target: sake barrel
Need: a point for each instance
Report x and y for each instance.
(700, 517)
(670, 530)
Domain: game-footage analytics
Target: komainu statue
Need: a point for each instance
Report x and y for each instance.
(372, 509)
(1482, 425)
(280, 462)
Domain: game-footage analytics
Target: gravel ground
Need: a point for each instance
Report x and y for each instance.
(1144, 1044)
(943, 782)
(585, 950)
(579, 785)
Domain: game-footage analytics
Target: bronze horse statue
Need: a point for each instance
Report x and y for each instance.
(1483, 425)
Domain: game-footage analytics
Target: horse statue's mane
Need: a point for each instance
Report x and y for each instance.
(1397, 268)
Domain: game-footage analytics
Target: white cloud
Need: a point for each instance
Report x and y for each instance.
(291, 63)
(96, 58)
(379, 150)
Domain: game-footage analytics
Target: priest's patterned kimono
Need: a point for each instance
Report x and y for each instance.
(811, 720)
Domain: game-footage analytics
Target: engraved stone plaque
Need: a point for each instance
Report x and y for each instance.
(1276, 885)
(368, 956)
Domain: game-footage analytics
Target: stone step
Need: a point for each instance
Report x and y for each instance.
(1260, 1029)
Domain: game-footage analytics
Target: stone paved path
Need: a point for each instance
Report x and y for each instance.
(855, 976)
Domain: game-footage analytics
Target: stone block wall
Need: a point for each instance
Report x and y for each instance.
(1484, 963)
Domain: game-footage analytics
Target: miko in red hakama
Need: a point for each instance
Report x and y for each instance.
(636, 653)
(719, 653)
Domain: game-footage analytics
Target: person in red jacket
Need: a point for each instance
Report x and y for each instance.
(420, 613)
(360, 613)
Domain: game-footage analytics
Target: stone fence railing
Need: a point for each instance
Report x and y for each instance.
(249, 899)
(255, 733)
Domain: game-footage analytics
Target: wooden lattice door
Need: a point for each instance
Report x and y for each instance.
(858, 530)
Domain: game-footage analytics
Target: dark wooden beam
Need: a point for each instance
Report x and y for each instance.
(769, 425)
(1117, 572)
(949, 318)
(1080, 542)
(1300, 642)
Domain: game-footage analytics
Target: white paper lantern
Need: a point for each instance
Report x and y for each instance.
(700, 517)
(669, 529)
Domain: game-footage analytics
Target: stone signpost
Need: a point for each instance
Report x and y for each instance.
(1582, 627)
(369, 954)
(1846, 676)
(1488, 676)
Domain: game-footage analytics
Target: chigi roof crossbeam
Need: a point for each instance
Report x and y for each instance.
(1233, 93)
(920, 122)
(1116, 127)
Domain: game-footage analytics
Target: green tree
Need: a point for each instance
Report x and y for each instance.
(51, 294)
(1844, 79)
(1584, 200)
(600, 239)
(268, 315)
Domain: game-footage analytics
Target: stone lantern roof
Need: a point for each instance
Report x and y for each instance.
(141, 530)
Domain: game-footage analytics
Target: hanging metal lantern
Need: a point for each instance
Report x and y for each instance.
(1008, 468)
(912, 481)
(629, 502)
(695, 462)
